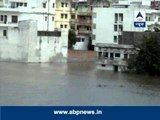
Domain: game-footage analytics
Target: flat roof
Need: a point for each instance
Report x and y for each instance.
(114, 45)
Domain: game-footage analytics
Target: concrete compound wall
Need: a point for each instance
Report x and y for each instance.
(23, 45)
(81, 55)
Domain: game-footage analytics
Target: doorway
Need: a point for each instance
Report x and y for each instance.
(115, 68)
(111, 56)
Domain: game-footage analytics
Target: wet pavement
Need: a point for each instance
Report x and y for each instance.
(74, 83)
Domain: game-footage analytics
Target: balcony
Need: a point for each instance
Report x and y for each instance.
(84, 22)
(3, 22)
(8, 24)
(84, 31)
(84, 11)
(73, 21)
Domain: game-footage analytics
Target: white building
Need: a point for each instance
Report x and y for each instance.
(27, 32)
(108, 25)
(116, 19)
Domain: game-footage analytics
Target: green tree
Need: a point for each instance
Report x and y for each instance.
(71, 38)
(148, 57)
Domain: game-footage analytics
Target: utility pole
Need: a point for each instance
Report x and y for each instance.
(48, 15)
(48, 18)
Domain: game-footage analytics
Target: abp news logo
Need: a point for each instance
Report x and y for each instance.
(139, 19)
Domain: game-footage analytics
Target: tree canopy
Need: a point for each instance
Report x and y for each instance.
(71, 38)
(148, 58)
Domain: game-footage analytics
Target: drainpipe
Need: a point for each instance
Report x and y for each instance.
(40, 41)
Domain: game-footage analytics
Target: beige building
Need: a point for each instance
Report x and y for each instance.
(1, 3)
(63, 16)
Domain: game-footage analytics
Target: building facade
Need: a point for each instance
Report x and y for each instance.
(1, 3)
(62, 16)
(108, 34)
(27, 33)
(82, 24)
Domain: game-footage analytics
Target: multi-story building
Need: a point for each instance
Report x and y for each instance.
(1, 3)
(82, 24)
(17, 10)
(109, 24)
(84, 18)
(73, 18)
(62, 16)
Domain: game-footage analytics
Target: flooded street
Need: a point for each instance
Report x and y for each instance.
(74, 83)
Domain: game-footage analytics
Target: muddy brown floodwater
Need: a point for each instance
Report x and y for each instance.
(74, 83)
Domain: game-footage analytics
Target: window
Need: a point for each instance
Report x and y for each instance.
(17, 4)
(116, 17)
(111, 56)
(72, 16)
(65, 26)
(82, 39)
(66, 4)
(21, 4)
(62, 4)
(120, 28)
(99, 54)
(25, 4)
(45, 18)
(125, 56)
(62, 15)
(14, 19)
(12, 4)
(115, 39)
(66, 16)
(1, 17)
(61, 26)
(5, 19)
(53, 5)
(78, 39)
(105, 54)
(117, 55)
(44, 5)
(4, 32)
(148, 18)
(120, 17)
(115, 27)
(88, 28)
(52, 18)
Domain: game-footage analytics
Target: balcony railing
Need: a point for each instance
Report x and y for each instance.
(84, 10)
(8, 24)
(83, 31)
(81, 21)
